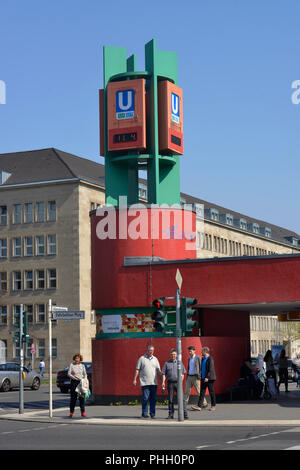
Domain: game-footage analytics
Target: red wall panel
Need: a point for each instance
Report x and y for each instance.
(113, 374)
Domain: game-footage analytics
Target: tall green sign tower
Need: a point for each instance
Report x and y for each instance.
(141, 125)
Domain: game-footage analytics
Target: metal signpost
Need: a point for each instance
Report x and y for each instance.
(179, 351)
(58, 313)
(21, 381)
(50, 355)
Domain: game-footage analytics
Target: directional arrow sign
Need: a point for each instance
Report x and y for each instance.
(69, 315)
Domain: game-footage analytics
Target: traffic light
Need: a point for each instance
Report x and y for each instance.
(187, 324)
(159, 315)
(16, 324)
(25, 338)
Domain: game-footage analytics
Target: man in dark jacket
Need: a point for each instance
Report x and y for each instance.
(208, 377)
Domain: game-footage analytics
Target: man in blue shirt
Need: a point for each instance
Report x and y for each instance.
(208, 377)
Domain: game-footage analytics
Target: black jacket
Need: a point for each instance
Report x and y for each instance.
(210, 372)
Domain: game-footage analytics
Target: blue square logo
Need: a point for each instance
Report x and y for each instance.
(175, 107)
(125, 104)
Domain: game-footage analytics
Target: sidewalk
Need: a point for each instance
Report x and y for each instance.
(285, 411)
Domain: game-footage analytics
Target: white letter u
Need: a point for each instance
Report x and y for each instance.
(129, 100)
(175, 104)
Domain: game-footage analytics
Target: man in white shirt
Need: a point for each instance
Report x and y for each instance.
(147, 369)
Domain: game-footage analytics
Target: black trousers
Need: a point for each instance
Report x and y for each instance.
(283, 378)
(204, 385)
(74, 396)
(172, 388)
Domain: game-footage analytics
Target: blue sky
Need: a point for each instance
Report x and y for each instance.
(237, 61)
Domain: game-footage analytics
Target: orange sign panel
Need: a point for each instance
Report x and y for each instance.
(126, 115)
(101, 118)
(170, 118)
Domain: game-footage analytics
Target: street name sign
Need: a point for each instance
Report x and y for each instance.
(69, 315)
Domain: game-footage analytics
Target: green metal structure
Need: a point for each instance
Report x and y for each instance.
(122, 170)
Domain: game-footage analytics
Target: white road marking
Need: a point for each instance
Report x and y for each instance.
(293, 448)
(253, 437)
(202, 447)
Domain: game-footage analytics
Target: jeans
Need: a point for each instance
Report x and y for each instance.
(148, 397)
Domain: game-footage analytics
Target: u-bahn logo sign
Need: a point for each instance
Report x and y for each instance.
(175, 108)
(125, 104)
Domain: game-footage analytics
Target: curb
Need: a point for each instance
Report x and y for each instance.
(139, 422)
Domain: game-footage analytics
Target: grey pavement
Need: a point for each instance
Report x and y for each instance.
(283, 411)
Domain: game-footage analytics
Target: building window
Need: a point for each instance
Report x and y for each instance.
(28, 215)
(17, 280)
(229, 219)
(41, 348)
(3, 314)
(17, 214)
(41, 317)
(40, 245)
(3, 281)
(268, 232)
(28, 277)
(243, 224)
(51, 244)
(17, 246)
(54, 347)
(16, 351)
(16, 311)
(52, 278)
(3, 215)
(29, 310)
(28, 354)
(51, 210)
(40, 212)
(214, 214)
(3, 248)
(40, 279)
(28, 246)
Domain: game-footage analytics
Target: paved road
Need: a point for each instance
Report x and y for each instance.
(33, 399)
(272, 425)
(44, 436)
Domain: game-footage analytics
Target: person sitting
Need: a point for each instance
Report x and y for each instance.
(251, 379)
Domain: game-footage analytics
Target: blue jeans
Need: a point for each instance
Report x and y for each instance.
(149, 396)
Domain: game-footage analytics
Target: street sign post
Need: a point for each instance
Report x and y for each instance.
(178, 279)
(56, 312)
(179, 359)
(21, 380)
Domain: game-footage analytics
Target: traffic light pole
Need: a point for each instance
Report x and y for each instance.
(50, 355)
(179, 359)
(21, 382)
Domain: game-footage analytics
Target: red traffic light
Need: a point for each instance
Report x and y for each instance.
(157, 303)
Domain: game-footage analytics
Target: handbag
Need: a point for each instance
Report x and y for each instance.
(85, 385)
